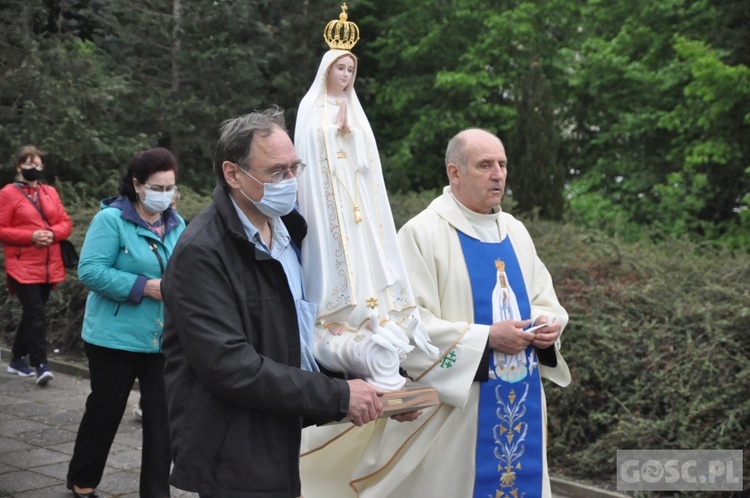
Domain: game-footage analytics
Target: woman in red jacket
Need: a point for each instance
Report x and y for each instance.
(32, 223)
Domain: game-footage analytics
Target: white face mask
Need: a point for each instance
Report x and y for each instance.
(156, 202)
(278, 198)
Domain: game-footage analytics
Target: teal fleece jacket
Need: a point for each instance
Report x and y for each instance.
(118, 256)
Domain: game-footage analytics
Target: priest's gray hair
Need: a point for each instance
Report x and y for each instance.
(456, 151)
(237, 135)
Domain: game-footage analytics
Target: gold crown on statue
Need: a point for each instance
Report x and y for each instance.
(341, 34)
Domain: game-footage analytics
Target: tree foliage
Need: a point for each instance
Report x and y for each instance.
(94, 82)
(665, 113)
(631, 117)
(638, 110)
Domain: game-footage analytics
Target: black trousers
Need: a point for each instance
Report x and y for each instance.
(31, 334)
(113, 373)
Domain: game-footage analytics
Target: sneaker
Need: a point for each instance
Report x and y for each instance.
(18, 366)
(137, 412)
(43, 375)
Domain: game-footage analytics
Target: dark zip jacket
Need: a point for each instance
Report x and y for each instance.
(236, 394)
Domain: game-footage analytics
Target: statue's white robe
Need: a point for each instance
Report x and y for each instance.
(351, 261)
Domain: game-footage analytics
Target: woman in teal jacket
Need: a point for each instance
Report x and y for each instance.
(122, 261)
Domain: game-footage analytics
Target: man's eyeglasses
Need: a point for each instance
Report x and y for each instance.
(34, 165)
(278, 175)
(161, 188)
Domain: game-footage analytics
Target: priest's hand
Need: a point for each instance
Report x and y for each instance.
(364, 403)
(546, 336)
(408, 416)
(509, 337)
(336, 328)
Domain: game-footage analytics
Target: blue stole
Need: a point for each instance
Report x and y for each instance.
(509, 448)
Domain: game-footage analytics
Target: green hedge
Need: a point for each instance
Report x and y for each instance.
(657, 345)
(657, 341)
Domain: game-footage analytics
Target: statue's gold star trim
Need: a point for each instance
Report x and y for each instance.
(372, 302)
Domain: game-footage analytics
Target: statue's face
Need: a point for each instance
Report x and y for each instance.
(340, 75)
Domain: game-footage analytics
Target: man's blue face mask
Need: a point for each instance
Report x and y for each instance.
(278, 198)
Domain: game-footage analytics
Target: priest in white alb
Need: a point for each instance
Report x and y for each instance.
(490, 307)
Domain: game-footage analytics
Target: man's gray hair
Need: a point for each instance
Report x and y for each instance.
(456, 151)
(237, 135)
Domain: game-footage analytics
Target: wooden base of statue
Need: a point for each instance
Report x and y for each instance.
(413, 396)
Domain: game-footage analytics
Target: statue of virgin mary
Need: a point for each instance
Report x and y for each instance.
(350, 258)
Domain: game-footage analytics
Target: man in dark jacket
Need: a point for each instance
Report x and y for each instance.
(240, 375)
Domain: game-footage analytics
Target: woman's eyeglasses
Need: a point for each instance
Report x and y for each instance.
(161, 188)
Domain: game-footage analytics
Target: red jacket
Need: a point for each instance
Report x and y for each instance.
(25, 262)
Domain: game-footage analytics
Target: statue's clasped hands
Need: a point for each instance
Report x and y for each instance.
(342, 120)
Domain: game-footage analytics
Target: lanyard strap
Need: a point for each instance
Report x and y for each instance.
(38, 208)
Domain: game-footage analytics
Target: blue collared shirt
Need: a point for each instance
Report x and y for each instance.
(282, 251)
